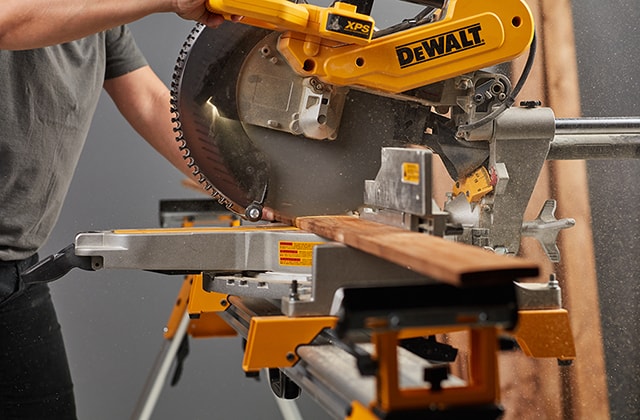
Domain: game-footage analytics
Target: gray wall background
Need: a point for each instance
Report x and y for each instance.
(113, 320)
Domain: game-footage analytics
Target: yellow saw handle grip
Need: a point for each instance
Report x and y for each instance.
(275, 13)
(339, 22)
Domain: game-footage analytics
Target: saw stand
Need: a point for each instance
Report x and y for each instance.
(175, 347)
(214, 310)
(339, 322)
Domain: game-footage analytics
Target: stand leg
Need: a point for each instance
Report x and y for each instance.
(159, 372)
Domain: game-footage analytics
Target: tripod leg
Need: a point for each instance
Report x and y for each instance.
(159, 373)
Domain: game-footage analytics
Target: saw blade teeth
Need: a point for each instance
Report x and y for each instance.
(222, 177)
(180, 139)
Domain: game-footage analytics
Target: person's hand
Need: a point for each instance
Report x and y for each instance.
(196, 10)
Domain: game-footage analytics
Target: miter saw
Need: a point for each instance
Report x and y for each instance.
(329, 98)
(296, 120)
(335, 125)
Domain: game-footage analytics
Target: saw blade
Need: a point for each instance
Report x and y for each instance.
(203, 100)
(247, 166)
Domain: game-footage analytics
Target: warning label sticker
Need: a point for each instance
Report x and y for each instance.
(411, 173)
(296, 253)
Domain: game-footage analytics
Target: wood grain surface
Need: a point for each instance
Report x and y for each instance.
(449, 262)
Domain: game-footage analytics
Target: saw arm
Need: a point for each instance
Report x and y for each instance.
(337, 44)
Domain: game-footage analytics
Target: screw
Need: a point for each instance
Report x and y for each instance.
(464, 84)
(291, 357)
(293, 291)
(316, 85)
(253, 212)
(224, 302)
(553, 282)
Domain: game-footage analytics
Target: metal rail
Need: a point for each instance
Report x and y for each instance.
(596, 138)
(605, 125)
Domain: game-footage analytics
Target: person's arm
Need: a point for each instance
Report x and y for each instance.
(143, 99)
(26, 24)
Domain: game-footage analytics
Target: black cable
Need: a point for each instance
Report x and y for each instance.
(508, 102)
(425, 16)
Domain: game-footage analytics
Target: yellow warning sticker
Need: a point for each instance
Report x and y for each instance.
(411, 173)
(296, 253)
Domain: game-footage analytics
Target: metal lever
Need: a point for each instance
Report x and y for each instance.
(55, 266)
(545, 229)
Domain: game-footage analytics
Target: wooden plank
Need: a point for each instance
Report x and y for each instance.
(450, 262)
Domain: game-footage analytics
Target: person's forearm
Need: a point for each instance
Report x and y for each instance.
(143, 100)
(26, 24)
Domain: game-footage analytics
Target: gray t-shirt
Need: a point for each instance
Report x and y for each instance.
(49, 98)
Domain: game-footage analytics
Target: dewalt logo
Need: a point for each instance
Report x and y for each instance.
(349, 26)
(440, 45)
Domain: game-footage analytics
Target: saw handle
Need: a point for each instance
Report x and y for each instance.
(339, 22)
(273, 13)
(55, 266)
